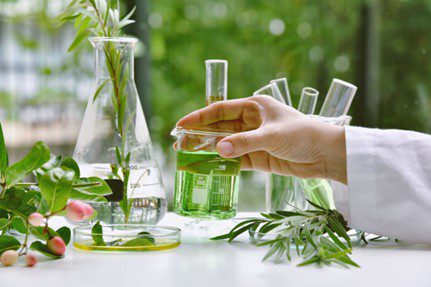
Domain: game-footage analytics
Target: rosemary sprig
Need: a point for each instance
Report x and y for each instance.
(319, 236)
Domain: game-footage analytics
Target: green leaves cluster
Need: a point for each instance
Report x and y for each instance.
(318, 236)
(58, 180)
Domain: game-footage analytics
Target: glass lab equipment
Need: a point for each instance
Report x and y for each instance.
(127, 237)
(216, 81)
(270, 90)
(114, 142)
(308, 101)
(338, 99)
(283, 88)
(206, 185)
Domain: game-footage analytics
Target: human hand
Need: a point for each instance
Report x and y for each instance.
(272, 137)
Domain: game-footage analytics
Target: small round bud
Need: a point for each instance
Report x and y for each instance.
(30, 259)
(35, 219)
(9, 257)
(76, 210)
(56, 245)
(88, 210)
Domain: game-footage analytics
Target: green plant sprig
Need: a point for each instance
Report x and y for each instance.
(102, 19)
(58, 181)
(319, 236)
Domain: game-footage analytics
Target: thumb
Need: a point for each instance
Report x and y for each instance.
(242, 143)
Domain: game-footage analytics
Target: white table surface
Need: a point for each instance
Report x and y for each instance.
(199, 262)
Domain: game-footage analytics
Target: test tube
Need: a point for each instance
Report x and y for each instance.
(216, 81)
(308, 101)
(338, 99)
(283, 87)
(270, 90)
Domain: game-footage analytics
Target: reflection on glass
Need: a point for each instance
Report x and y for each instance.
(270, 90)
(216, 81)
(283, 87)
(308, 101)
(338, 99)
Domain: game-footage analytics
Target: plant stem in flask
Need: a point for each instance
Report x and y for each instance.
(206, 185)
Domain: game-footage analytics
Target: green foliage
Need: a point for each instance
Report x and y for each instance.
(315, 234)
(8, 243)
(96, 192)
(4, 158)
(102, 20)
(65, 234)
(57, 178)
(140, 241)
(97, 234)
(43, 248)
(55, 187)
(142, 238)
(38, 155)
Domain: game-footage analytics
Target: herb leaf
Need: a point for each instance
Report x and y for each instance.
(55, 187)
(42, 248)
(37, 156)
(4, 158)
(97, 234)
(8, 242)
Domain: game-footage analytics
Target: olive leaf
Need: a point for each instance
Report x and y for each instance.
(315, 235)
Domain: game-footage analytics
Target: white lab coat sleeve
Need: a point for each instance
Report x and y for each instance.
(389, 183)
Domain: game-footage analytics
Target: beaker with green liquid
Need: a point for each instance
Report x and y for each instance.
(206, 185)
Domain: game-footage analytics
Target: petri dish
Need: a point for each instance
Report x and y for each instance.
(127, 237)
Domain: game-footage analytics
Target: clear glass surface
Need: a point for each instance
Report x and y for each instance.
(270, 90)
(206, 185)
(338, 99)
(127, 237)
(114, 142)
(283, 87)
(308, 101)
(216, 81)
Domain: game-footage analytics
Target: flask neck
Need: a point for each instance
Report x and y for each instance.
(113, 58)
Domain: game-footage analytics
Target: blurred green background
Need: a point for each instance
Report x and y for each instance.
(382, 46)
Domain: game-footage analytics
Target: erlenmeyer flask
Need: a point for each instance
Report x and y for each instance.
(114, 142)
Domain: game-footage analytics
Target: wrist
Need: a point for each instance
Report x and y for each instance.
(335, 162)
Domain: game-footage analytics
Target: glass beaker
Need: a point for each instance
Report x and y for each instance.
(114, 142)
(206, 185)
(290, 193)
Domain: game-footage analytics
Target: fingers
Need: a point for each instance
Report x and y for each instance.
(220, 111)
(242, 143)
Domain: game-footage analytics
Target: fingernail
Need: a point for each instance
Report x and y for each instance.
(225, 148)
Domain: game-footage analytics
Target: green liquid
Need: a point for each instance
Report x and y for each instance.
(206, 185)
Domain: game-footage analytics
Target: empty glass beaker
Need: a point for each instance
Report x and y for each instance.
(206, 185)
(114, 142)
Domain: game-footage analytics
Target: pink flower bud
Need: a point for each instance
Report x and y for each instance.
(56, 245)
(9, 257)
(76, 210)
(30, 259)
(88, 210)
(35, 219)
